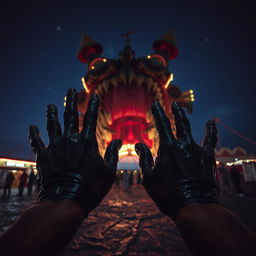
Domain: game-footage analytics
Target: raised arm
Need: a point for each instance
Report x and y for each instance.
(182, 184)
(74, 179)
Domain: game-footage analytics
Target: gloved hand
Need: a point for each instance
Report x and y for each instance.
(183, 172)
(71, 166)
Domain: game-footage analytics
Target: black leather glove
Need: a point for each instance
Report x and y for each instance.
(183, 172)
(71, 166)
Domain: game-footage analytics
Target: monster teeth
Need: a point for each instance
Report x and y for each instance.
(122, 77)
(104, 85)
(139, 80)
(149, 117)
(101, 116)
(149, 83)
(103, 134)
(115, 81)
(98, 132)
(153, 90)
(108, 118)
(157, 94)
(161, 101)
(100, 127)
(99, 90)
(101, 131)
(105, 117)
(100, 93)
(131, 76)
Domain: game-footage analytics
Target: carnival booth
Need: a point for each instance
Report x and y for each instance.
(17, 166)
(244, 162)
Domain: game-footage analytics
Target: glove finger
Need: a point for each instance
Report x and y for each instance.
(90, 118)
(35, 140)
(71, 115)
(183, 128)
(111, 154)
(146, 161)
(210, 139)
(163, 125)
(53, 124)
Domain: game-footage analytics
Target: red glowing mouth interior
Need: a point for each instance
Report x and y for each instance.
(127, 106)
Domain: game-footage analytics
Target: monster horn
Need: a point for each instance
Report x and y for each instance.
(89, 49)
(167, 46)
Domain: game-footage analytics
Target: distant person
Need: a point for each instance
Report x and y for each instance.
(8, 183)
(224, 174)
(117, 181)
(236, 178)
(138, 177)
(130, 179)
(126, 179)
(23, 182)
(31, 181)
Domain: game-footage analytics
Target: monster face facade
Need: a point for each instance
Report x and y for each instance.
(126, 87)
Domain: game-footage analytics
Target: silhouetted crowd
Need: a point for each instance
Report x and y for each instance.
(127, 179)
(24, 180)
(229, 179)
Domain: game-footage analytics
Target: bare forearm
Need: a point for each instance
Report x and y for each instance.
(43, 229)
(210, 229)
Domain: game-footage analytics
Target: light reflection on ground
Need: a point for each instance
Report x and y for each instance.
(128, 224)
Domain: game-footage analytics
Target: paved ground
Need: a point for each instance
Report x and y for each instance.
(127, 223)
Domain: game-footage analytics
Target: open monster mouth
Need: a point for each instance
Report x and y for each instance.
(127, 87)
(125, 109)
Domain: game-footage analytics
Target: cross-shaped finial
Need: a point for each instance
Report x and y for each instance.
(126, 36)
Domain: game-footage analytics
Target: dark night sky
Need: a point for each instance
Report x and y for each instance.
(39, 41)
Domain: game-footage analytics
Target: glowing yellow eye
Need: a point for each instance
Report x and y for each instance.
(149, 57)
(104, 60)
(92, 67)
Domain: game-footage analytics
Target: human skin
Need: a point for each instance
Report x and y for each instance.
(43, 229)
(211, 229)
